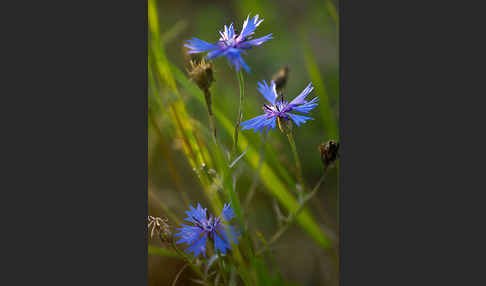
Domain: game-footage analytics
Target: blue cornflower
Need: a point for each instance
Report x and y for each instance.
(231, 44)
(280, 109)
(213, 228)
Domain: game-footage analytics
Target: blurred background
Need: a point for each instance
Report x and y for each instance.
(306, 41)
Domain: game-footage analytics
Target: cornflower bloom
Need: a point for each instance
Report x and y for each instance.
(279, 109)
(213, 228)
(230, 44)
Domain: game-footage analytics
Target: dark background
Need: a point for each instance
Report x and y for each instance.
(411, 210)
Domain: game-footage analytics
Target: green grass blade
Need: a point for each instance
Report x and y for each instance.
(331, 8)
(153, 250)
(328, 118)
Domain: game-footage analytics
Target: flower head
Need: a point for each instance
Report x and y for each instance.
(203, 228)
(280, 79)
(329, 152)
(278, 108)
(159, 226)
(231, 44)
(201, 73)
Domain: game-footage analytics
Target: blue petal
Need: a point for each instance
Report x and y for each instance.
(270, 93)
(270, 123)
(228, 212)
(254, 122)
(220, 244)
(260, 123)
(255, 42)
(249, 27)
(215, 53)
(234, 57)
(300, 99)
(198, 46)
(188, 234)
(228, 233)
(298, 119)
(198, 247)
(306, 107)
(199, 214)
(228, 33)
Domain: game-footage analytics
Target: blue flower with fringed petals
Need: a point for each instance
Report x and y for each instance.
(216, 229)
(279, 108)
(230, 44)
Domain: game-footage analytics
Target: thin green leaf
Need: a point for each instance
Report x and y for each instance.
(328, 118)
(153, 250)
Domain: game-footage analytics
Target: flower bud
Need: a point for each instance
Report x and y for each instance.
(159, 226)
(329, 152)
(202, 74)
(188, 58)
(280, 79)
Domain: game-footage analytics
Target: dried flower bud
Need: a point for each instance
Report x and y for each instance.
(280, 78)
(159, 226)
(329, 152)
(190, 57)
(285, 125)
(201, 73)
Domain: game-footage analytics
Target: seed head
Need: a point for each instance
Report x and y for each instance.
(201, 73)
(188, 57)
(280, 79)
(329, 152)
(159, 226)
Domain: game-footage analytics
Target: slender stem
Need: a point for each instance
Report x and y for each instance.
(241, 83)
(225, 282)
(179, 274)
(300, 177)
(293, 216)
(189, 262)
(207, 96)
(177, 249)
(256, 176)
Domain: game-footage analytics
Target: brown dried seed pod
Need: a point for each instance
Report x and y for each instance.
(280, 78)
(329, 152)
(159, 227)
(201, 73)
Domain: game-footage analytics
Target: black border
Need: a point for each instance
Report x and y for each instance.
(409, 120)
(77, 159)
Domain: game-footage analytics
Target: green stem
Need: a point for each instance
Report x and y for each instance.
(256, 174)
(191, 263)
(207, 96)
(222, 271)
(293, 216)
(241, 83)
(300, 177)
(179, 274)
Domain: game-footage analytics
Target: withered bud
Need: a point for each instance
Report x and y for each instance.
(159, 227)
(201, 73)
(284, 125)
(190, 57)
(329, 152)
(280, 78)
